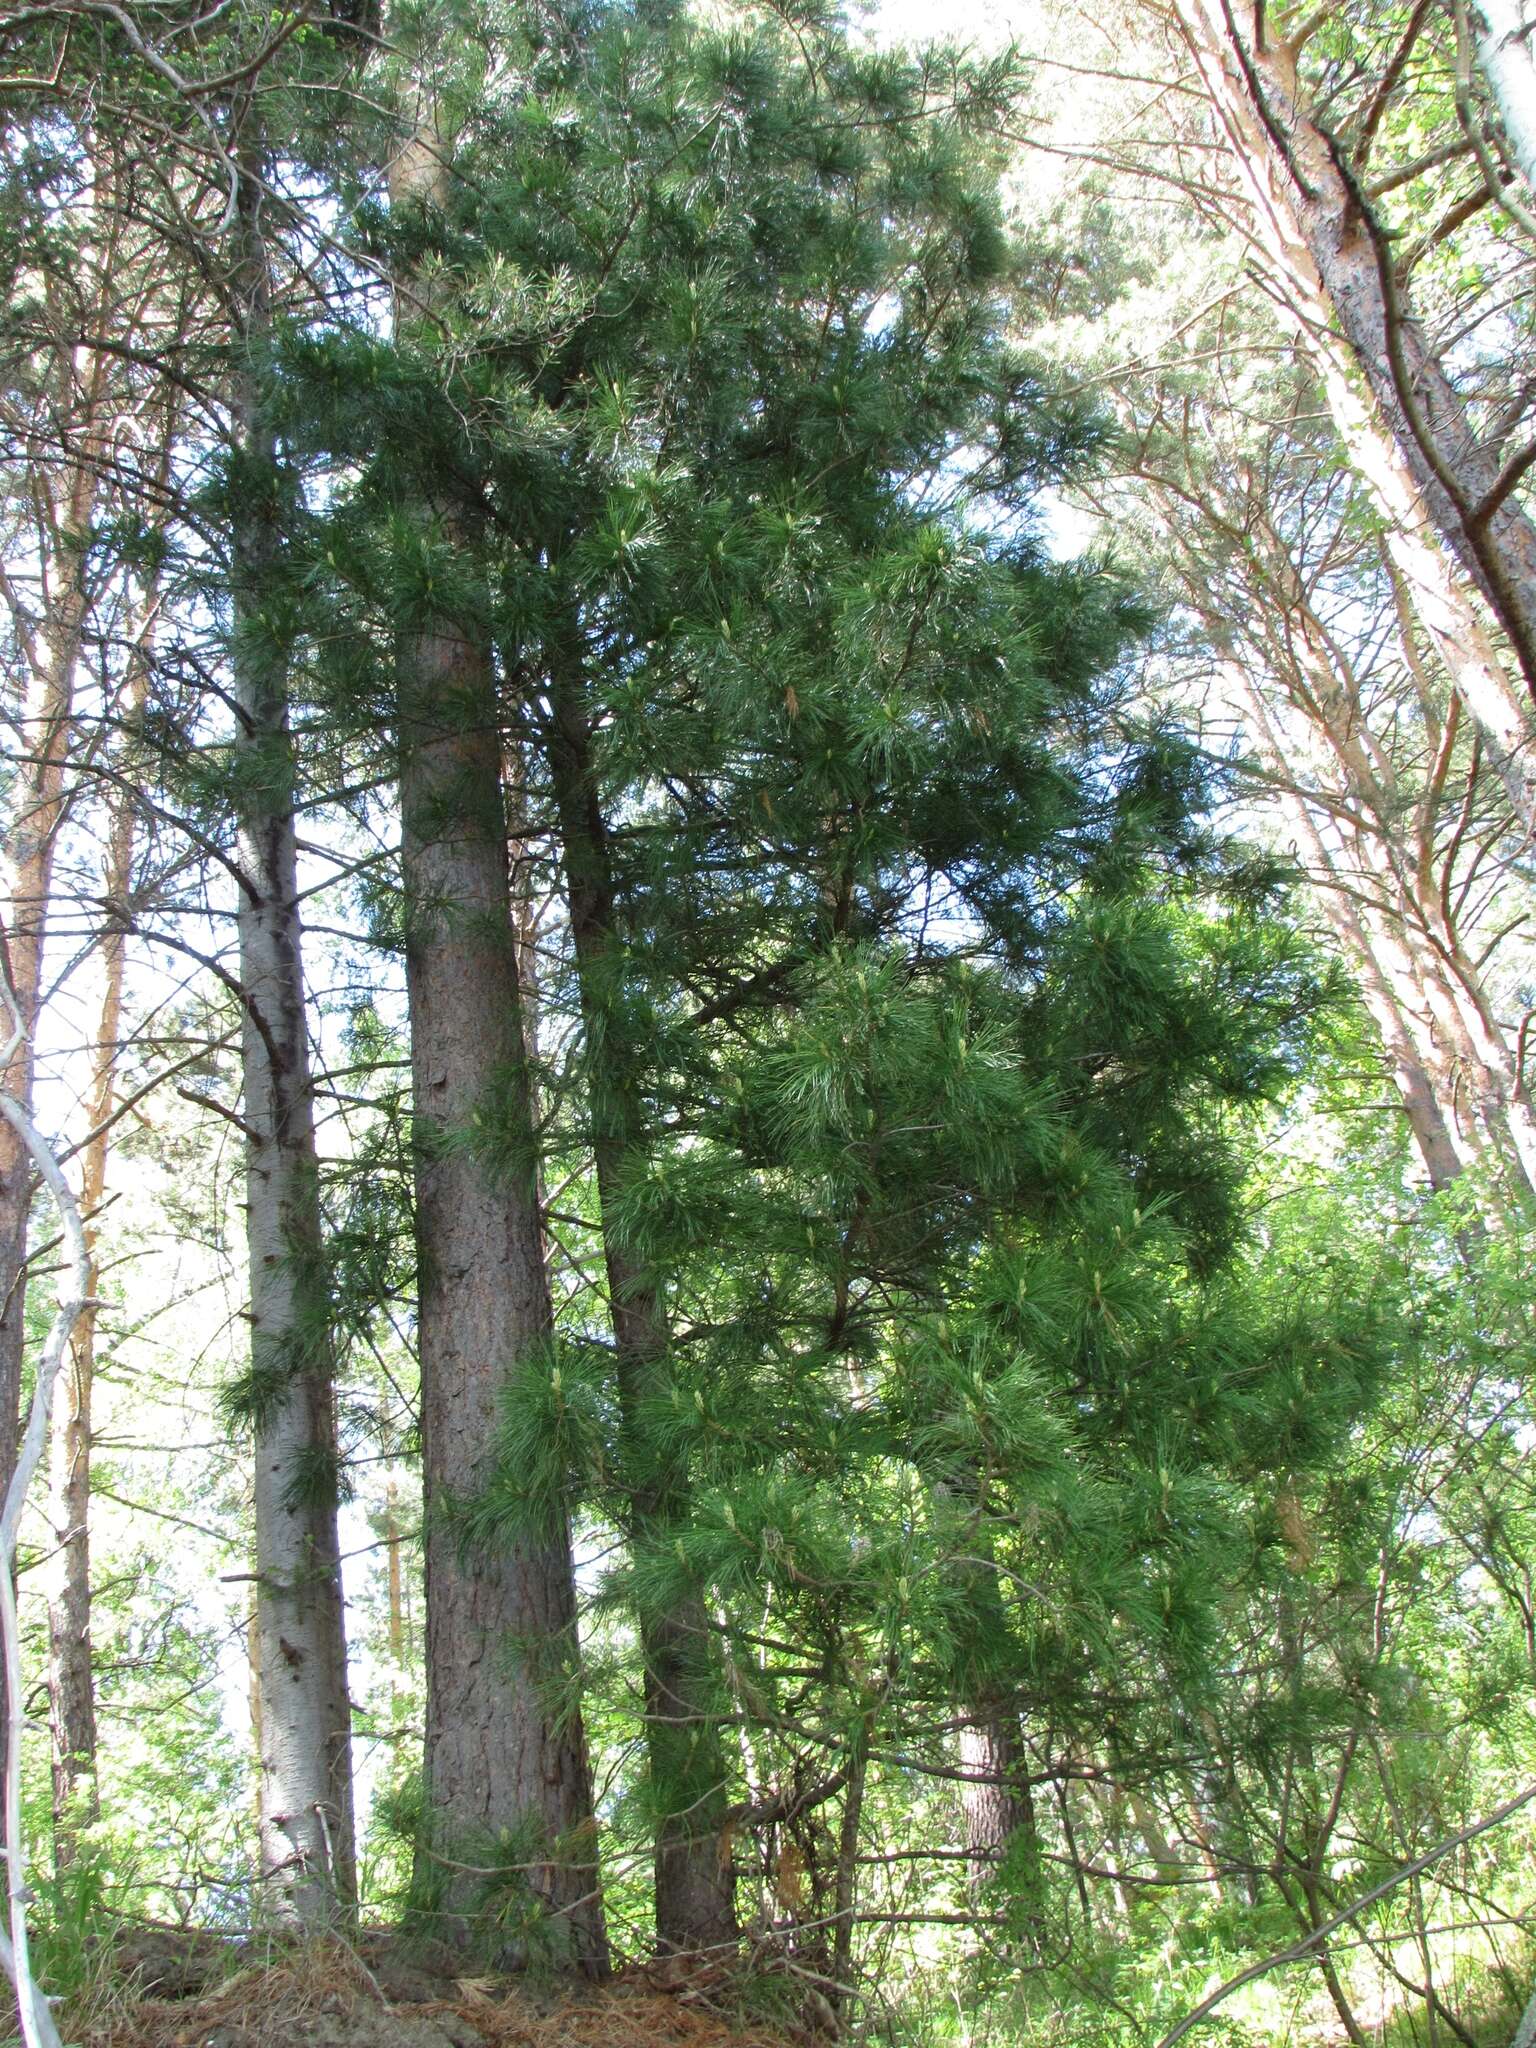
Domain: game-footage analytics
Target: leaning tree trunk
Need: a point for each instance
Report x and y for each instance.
(694, 1879)
(1394, 1009)
(1315, 218)
(1424, 994)
(1401, 421)
(502, 1751)
(308, 1861)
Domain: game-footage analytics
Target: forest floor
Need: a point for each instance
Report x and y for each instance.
(169, 1990)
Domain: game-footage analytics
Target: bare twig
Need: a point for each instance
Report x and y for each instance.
(1305, 1947)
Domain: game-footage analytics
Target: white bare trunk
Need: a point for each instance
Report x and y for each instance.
(1505, 29)
(305, 1785)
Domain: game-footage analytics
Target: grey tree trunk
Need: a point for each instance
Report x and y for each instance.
(694, 1879)
(307, 1853)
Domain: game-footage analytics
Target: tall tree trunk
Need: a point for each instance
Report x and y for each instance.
(396, 1577)
(499, 1752)
(79, 399)
(71, 1680)
(695, 1885)
(37, 811)
(51, 648)
(71, 1690)
(1402, 424)
(307, 1847)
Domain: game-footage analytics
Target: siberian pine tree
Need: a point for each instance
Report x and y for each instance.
(889, 939)
(838, 1041)
(506, 1775)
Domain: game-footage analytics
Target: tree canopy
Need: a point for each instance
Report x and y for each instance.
(768, 829)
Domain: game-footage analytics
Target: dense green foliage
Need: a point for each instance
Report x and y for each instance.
(1005, 1372)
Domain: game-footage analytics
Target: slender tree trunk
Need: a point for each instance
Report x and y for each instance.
(1201, 1831)
(81, 397)
(1414, 976)
(37, 810)
(1411, 1072)
(307, 1848)
(71, 1690)
(1315, 224)
(1166, 1861)
(396, 1580)
(253, 1698)
(500, 1753)
(1109, 1803)
(38, 800)
(845, 1894)
(71, 1682)
(695, 1886)
(1306, 224)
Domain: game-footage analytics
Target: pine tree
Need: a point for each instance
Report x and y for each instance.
(848, 815)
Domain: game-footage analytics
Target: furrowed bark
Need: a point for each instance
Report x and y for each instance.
(501, 1632)
(307, 1853)
(498, 1753)
(695, 1883)
(995, 1799)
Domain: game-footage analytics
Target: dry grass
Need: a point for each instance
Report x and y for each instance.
(328, 1997)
